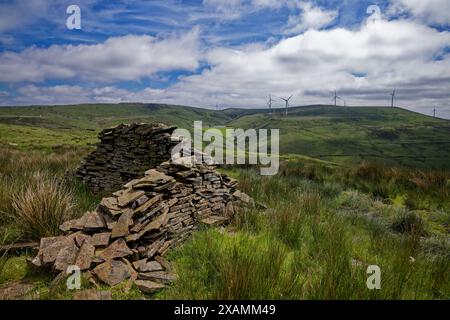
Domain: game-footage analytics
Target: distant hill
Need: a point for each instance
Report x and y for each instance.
(388, 135)
(338, 134)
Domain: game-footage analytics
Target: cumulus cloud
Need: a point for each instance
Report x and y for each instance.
(380, 56)
(121, 58)
(311, 17)
(21, 12)
(431, 11)
(364, 64)
(61, 94)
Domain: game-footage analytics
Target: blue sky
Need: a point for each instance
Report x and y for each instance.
(232, 53)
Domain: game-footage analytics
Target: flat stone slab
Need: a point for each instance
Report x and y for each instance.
(66, 257)
(214, 220)
(148, 286)
(158, 276)
(117, 249)
(92, 294)
(85, 256)
(147, 205)
(94, 220)
(147, 266)
(112, 272)
(16, 290)
(101, 239)
(111, 206)
(70, 225)
(129, 197)
(50, 248)
(121, 228)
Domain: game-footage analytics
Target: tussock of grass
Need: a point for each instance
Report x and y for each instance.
(409, 222)
(215, 266)
(42, 207)
(34, 196)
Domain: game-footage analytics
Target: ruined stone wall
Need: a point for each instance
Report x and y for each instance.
(125, 153)
(130, 231)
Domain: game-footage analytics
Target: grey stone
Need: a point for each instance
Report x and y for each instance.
(101, 239)
(92, 294)
(112, 272)
(94, 220)
(147, 266)
(148, 286)
(85, 256)
(117, 249)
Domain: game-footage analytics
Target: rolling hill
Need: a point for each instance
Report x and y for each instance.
(342, 135)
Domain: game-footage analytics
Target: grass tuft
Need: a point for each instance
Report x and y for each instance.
(42, 207)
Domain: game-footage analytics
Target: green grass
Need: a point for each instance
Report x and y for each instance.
(42, 127)
(315, 242)
(329, 216)
(351, 135)
(19, 170)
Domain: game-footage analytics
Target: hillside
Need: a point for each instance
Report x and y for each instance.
(341, 135)
(349, 135)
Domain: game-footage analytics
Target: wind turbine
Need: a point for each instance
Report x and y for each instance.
(434, 112)
(393, 97)
(336, 97)
(270, 102)
(287, 103)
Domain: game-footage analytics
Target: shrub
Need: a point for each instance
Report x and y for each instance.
(368, 171)
(408, 222)
(42, 207)
(354, 200)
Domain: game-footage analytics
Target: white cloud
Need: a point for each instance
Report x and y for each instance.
(364, 65)
(61, 94)
(223, 9)
(431, 11)
(122, 58)
(21, 13)
(311, 17)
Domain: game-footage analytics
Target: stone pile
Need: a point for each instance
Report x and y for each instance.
(128, 234)
(124, 153)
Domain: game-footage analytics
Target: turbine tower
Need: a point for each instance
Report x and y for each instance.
(287, 103)
(393, 97)
(336, 97)
(434, 112)
(270, 102)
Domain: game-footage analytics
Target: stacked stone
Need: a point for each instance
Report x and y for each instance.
(128, 234)
(124, 153)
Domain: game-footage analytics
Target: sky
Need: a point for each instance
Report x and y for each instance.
(227, 53)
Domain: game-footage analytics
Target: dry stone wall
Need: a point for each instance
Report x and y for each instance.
(128, 234)
(125, 153)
